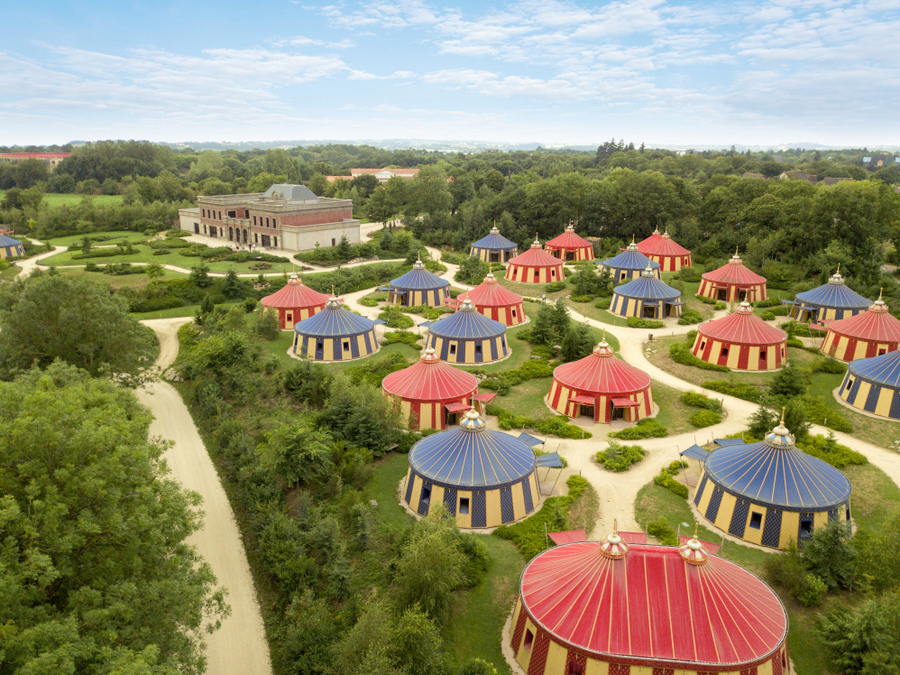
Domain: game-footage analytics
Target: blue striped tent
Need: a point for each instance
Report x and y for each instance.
(10, 248)
(484, 478)
(468, 337)
(828, 302)
(335, 334)
(646, 297)
(873, 385)
(419, 287)
(770, 493)
(495, 247)
(629, 264)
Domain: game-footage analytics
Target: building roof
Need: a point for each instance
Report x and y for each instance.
(647, 287)
(602, 373)
(874, 325)
(775, 472)
(661, 245)
(883, 369)
(334, 321)
(293, 295)
(834, 294)
(430, 379)
(9, 241)
(568, 240)
(419, 279)
(630, 259)
(289, 193)
(496, 242)
(490, 293)
(646, 604)
(734, 273)
(743, 327)
(467, 323)
(472, 456)
(535, 256)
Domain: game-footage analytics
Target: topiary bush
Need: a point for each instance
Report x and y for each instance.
(705, 418)
(767, 316)
(618, 457)
(645, 428)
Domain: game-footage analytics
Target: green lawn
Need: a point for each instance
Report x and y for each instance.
(9, 273)
(532, 290)
(673, 414)
(54, 200)
(119, 280)
(108, 238)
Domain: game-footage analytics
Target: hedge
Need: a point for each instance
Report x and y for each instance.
(645, 428)
(829, 450)
(747, 392)
(705, 418)
(692, 398)
(680, 352)
(637, 322)
(661, 529)
(665, 479)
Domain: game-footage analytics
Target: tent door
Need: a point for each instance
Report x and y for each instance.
(742, 295)
(649, 312)
(494, 257)
(722, 295)
(617, 414)
(585, 410)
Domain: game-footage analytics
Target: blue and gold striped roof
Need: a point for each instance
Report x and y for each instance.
(8, 241)
(495, 242)
(774, 472)
(648, 287)
(418, 279)
(467, 323)
(334, 321)
(630, 259)
(883, 369)
(833, 294)
(472, 456)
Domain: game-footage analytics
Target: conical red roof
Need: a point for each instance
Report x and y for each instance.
(430, 379)
(874, 325)
(489, 293)
(653, 237)
(569, 240)
(295, 295)
(535, 256)
(661, 245)
(603, 373)
(743, 327)
(734, 272)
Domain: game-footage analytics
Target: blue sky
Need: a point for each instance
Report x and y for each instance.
(682, 72)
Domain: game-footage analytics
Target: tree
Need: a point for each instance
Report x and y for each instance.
(76, 320)
(472, 271)
(231, 286)
(200, 276)
(577, 343)
(297, 453)
(97, 574)
(543, 331)
(155, 271)
(788, 382)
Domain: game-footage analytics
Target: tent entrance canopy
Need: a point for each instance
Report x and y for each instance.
(583, 400)
(695, 452)
(484, 398)
(624, 403)
(456, 407)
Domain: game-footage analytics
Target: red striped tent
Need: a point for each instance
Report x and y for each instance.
(863, 336)
(602, 387)
(496, 302)
(733, 283)
(430, 392)
(294, 302)
(662, 248)
(619, 608)
(535, 266)
(741, 341)
(570, 247)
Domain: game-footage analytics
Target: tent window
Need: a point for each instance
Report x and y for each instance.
(463, 506)
(426, 493)
(703, 345)
(529, 640)
(514, 314)
(346, 345)
(882, 351)
(552, 272)
(849, 383)
(755, 520)
(452, 349)
(762, 354)
(478, 348)
(724, 351)
(537, 275)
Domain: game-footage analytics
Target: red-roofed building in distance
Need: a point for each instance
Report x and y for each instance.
(495, 302)
(570, 247)
(51, 159)
(431, 393)
(613, 608)
(662, 249)
(535, 266)
(733, 283)
(741, 341)
(872, 333)
(601, 387)
(384, 175)
(294, 302)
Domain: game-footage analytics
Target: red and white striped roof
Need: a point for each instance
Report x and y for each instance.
(430, 379)
(490, 293)
(568, 240)
(661, 245)
(535, 256)
(601, 372)
(294, 295)
(876, 324)
(743, 327)
(734, 273)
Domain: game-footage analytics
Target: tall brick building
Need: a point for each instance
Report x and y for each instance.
(283, 217)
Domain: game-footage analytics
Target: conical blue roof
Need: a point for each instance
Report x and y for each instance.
(496, 242)
(334, 321)
(9, 241)
(648, 287)
(419, 279)
(630, 259)
(774, 472)
(883, 369)
(835, 294)
(467, 323)
(472, 456)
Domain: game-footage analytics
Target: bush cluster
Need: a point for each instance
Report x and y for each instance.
(661, 529)
(646, 428)
(665, 479)
(618, 457)
(705, 418)
(818, 412)
(554, 426)
(768, 302)
(690, 316)
(394, 318)
(555, 287)
(747, 392)
(403, 336)
(637, 322)
(503, 381)
(829, 450)
(698, 400)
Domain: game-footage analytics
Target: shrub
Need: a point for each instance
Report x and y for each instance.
(680, 352)
(818, 412)
(582, 298)
(619, 458)
(394, 318)
(368, 302)
(828, 365)
(403, 336)
(829, 450)
(688, 274)
(705, 300)
(795, 342)
(701, 401)
(788, 571)
(637, 322)
(705, 418)
(665, 480)
(559, 426)
(719, 306)
(555, 286)
(663, 531)
(768, 302)
(690, 316)
(747, 392)
(767, 316)
(645, 428)
(603, 303)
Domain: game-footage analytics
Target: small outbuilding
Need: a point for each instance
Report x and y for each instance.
(535, 266)
(863, 336)
(741, 341)
(495, 248)
(335, 334)
(294, 302)
(628, 265)
(418, 287)
(467, 337)
(483, 478)
(496, 302)
(431, 394)
(647, 298)
(732, 282)
(662, 248)
(873, 385)
(770, 493)
(828, 302)
(601, 387)
(10, 248)
(570, 247)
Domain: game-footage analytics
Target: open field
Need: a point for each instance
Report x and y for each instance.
(54, 200)
(120, 280)
(99, 238)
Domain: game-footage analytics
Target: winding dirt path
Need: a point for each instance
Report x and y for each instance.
(239, 646)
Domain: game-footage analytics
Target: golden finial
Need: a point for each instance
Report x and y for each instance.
(604, 335)
(783, 408)
(736, 250)
(696, 526)
(880, 292)
(838, 269)
(632, 237)
(615, 526)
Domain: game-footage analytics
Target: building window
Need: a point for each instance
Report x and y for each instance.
(254, 220)
(755, 520)
(703, 345)
(267, 222)
(849, 384)
(203, 213)
(332, 241)
(537, 275)
(529, 640)
(463, 506)
(276, 242)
